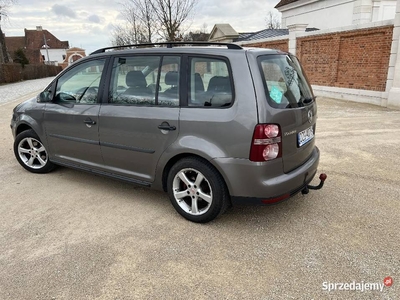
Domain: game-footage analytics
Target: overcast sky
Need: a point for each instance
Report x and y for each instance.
(88, 23)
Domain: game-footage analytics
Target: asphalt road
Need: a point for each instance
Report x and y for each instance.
(72, 235)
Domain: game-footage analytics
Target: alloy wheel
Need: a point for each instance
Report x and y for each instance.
(32, 153)
(192, 191)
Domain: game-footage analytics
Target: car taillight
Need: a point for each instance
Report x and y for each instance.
(271, 130)
(267, 143)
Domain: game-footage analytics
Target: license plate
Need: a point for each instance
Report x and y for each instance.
(305, 136)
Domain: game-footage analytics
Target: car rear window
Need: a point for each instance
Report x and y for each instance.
(285, 83)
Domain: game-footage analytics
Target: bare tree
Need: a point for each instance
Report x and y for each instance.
(147, 17)
(272, 20)
(3, 49)
(148, 20)
(171, 14)
(197, 35)
(139, 24)
(127, 35)
(133, 31)
(4, 5)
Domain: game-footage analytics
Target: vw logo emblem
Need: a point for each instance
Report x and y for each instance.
(310, 116)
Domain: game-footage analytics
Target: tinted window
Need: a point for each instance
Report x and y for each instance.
(210, 82)
(80, 84)
(169, 81)
(145, 80)
(285, 83)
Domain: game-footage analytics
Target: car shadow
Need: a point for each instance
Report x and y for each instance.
(278, 214)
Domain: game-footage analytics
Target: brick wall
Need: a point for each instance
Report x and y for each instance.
(356, 59)
(282, 45)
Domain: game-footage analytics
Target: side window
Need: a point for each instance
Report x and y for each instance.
(133, 80)
(145, 80)
(210, 82)
(80, 84)
(169, 81)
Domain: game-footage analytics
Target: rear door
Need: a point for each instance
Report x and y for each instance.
(141, 118)
(71, 119)
(293, 106)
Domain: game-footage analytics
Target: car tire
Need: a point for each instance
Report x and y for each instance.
(31, 153)
(197, 190)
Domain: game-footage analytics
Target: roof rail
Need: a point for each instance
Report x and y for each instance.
(169, 45)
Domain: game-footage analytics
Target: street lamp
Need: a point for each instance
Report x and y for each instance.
(39, 28)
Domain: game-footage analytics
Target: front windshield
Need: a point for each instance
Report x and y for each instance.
(285, 83)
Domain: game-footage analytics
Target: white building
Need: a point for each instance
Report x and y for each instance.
(327, 14)
(53, 56)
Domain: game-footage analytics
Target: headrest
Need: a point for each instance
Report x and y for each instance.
(198, 83)
(172, 78)
(219, 83)
(135, 79)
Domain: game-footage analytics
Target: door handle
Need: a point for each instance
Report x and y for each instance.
(166, 127)
(89, 122)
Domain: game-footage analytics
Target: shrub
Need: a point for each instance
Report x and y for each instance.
(20, 57)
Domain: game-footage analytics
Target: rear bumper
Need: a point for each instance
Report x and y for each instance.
(265, 183)
(268, 201)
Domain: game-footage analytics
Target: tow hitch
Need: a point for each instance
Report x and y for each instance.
(322, 177)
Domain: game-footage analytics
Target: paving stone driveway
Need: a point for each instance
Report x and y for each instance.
(72, 235)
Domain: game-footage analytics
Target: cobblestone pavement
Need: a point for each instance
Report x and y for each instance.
(12, 91)
(73, 235)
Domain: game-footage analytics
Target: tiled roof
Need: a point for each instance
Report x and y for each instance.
(32, 42)
(262, 34)
(35, 40)
(15, 42)
(265, 34)
(285, 2)
(244, 35)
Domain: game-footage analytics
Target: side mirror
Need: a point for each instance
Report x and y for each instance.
(44, 96)
(64, 97)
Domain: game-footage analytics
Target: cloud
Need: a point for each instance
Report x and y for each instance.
(110, 27)
(243, 15)
(94, 19)
(63, 11)
(210, 12)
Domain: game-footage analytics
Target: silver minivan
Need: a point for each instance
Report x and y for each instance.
(212, 124)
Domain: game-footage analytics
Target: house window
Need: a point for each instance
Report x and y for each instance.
(383, 10)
